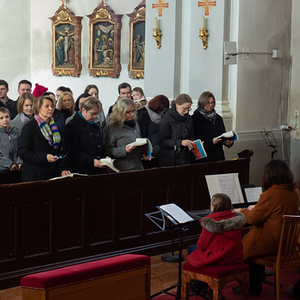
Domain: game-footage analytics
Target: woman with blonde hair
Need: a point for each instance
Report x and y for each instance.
(25, 111)
(66, 104)
(122, 129)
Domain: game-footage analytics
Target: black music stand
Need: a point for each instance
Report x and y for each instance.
(270, 141)
(181, 227)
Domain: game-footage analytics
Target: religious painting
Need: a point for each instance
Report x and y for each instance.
(137, 41)
(66, 43)
(105, 38)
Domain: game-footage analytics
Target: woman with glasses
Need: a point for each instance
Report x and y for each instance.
(84, 141)
(207, 126)
(175, 134)
(122, 129)
(40, 144)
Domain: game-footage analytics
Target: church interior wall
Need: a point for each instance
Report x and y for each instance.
(261, 82)
(15, 43)
(295, 91)
(254, 94)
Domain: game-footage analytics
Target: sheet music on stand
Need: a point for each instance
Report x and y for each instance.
(171, 211)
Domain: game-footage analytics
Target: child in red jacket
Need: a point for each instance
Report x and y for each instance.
(220, 241)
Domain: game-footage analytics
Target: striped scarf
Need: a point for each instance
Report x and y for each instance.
(50, 132)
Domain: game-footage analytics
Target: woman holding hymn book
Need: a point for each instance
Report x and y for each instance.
(84, 139)
(122, 130)
(208, 127)
(40, 144)
(175, 134)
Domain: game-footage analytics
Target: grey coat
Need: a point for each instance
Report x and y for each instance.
(115, 140)
(8, 148)
(17, 123)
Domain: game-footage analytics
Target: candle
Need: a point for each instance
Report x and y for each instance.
(202, 22)
(155, 23)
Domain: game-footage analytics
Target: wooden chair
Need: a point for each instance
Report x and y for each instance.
(216, 276)
(288, 255)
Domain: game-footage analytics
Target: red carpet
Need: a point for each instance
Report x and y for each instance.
(287, 277)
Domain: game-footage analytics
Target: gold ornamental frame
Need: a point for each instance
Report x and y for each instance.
(66, 43)
(105, 42)
(137, 41)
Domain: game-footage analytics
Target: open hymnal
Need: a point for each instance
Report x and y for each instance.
(228, 184)
(175, 214)
(141, 142)
(108, 162)
(229, 135)
(69, 176)
(198, 149)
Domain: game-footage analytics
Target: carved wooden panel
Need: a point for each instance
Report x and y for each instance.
(66, 43)
(105, 42)
(67, 221)
(99, 218)
(34, 227)
(7, 232)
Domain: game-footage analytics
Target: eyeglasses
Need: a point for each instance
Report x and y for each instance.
(185, 108)
(93, 114)
(130, 111)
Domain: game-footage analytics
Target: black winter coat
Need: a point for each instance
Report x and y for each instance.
(33, 149)
(206, 131)
(173, 128)
(84, 142)
(148, 128)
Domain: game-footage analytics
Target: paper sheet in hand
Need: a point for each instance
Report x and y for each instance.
(228, 184)
(176, 212)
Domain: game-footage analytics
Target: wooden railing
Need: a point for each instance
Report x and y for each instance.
(50, 224)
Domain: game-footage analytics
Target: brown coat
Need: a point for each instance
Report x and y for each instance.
(266, 216)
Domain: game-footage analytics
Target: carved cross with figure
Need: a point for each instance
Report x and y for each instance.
(160, 6)
(207, 5)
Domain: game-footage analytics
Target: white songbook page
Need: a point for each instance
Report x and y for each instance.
(253, 194)
(228, 184)
(176, 212)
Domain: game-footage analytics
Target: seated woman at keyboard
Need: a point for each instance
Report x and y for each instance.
(220, 240)
(280, 197)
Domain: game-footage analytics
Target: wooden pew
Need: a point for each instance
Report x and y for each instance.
(51, 224)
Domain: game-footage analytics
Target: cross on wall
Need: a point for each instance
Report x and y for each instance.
(160, 6)
(207, 5)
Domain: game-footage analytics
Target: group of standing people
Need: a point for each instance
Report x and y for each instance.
(68, 136)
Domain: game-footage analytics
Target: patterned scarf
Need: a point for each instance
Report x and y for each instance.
(212, 116)
(25, 118)
(50, 132)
